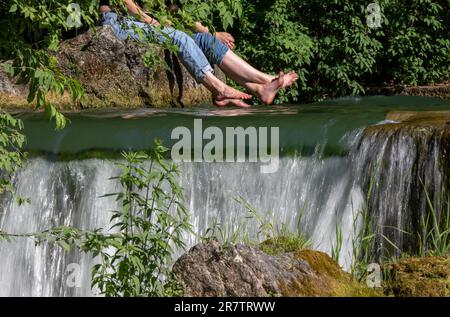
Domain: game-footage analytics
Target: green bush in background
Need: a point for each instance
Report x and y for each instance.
(336, 53)
(416, 42)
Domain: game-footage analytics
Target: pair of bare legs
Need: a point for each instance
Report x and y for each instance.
(263, 86)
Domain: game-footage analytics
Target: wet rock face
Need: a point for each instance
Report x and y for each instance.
(112, 73)
(240, 270)
(406, 166)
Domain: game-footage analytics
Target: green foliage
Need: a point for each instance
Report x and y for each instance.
(416, 42)
(337, 247)
(327, 42)
(30, 33)
(222, 13)
(434, 240)
(364, 243)
(136, 261)
(346, 48)
(270, 37)
(288, 242)
(336, 53)
(138, 249)
(11, 156)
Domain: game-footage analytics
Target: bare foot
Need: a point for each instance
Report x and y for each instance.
(231, 102)
(231, 93)
(289, 79)
(267, 92)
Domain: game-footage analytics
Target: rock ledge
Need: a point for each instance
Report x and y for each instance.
(113, 74)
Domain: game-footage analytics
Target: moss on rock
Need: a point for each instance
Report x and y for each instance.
(284, 244)
(418, 277)
(328, 279)
(213, 269)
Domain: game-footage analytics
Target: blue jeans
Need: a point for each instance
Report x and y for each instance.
(197, 53)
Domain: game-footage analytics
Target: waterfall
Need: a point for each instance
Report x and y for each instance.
(325, 190)
(62, 194)
(402, 165)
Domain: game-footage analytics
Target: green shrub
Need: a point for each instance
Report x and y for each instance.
(136, 261)
(334, 50)
(416, 42)
(136, 252)
(11, 155)
(271, 37)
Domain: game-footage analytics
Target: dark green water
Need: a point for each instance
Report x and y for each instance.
(302, 127)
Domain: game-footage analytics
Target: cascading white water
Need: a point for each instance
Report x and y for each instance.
(320, 189)
(328, 190)
(405, 167)
(62, 194)
(67, 193)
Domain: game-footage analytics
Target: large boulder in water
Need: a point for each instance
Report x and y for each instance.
(239, 270)
(113, 74)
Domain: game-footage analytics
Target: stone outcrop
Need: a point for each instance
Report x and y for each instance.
(239, 270)
(112, 73)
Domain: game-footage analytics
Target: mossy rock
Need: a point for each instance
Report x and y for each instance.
(328, 280)
(113, 74)
(212, 269)
(418, 277)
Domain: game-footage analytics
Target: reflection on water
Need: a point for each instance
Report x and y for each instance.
(302, 127)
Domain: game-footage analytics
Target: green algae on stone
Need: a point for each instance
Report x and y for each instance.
(328, 280)
(418, 277)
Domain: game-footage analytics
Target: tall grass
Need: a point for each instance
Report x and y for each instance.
(337, 246)
(434, 239)
(363, 243)
(367, 236)
(271, 236)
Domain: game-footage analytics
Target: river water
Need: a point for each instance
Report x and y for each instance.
(323, 173)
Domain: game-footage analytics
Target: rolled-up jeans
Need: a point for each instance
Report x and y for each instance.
(197, 53)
